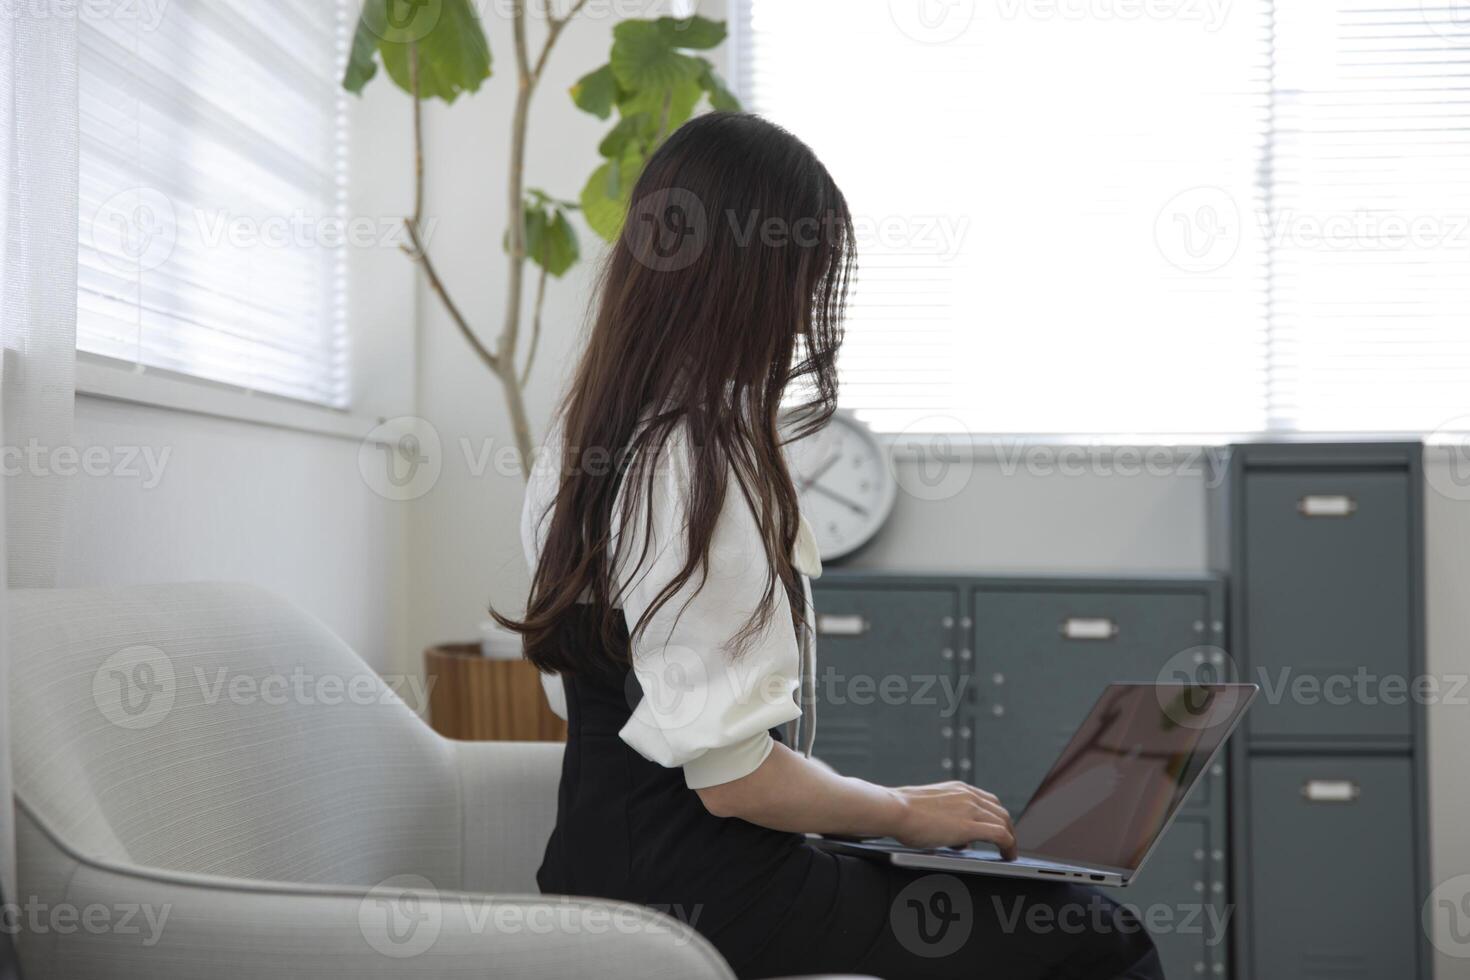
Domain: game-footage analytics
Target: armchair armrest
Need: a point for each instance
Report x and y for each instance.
(508, 807)
(182, 927)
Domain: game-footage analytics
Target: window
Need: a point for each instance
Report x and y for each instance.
(213, 192)
(1369, 175)
(1080, 217)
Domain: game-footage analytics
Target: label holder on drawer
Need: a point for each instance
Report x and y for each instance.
(1327, 505)
(1331, 791)
(839, 624)
(1088, 628)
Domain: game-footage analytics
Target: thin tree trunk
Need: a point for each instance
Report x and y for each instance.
(510, 331)
(502, 361)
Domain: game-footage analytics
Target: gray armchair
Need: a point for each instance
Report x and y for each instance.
(209, 783)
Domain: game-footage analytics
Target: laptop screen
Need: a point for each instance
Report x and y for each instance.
(1126, 771)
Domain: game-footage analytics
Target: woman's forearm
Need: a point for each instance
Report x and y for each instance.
(792, 793)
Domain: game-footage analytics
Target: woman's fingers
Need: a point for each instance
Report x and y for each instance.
(984, 793)
(989, 805)
(998, 834)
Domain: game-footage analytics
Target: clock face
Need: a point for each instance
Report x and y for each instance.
(844, 484)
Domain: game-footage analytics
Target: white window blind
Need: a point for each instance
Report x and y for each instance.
(1370, 189)
(1108, 182)
(213, 186)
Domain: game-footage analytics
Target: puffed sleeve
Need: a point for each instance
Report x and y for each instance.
(705, 706)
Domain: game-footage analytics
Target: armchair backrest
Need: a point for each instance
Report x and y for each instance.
(217, 729)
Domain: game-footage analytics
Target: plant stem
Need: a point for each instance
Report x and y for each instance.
(505, 348)
(527, 75)
(418, 134)
(420, 253)
(501, 361)
(535, 324)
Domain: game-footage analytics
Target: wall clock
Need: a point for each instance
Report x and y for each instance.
(844, 482)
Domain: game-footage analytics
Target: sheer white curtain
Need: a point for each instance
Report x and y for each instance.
(38, 304)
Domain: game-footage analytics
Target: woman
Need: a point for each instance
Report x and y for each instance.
(668, 594)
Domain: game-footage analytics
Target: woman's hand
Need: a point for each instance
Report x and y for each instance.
(792, 793)
(953, 814)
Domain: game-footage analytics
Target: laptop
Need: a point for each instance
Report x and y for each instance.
(1109, 797)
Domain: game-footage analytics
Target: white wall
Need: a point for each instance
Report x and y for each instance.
(1447, 567)
(280, 508)
(241, 502)
(1017, 518)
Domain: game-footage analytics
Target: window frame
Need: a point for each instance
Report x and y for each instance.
(113, 379)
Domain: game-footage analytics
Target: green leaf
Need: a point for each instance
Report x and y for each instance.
(551, 242)
(643, 57)
(361, 62)
(720, 96)
(631, 131)
(608, 191)
(454, 56)
(699, 33)
(612, 184)
(671, 106)
(544, 199)
(604, 214)
(596, 92)
(550, 239)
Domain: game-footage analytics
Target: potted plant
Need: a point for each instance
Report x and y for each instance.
(654, 80)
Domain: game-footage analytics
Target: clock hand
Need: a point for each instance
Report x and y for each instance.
(820, 472)
(847, 502)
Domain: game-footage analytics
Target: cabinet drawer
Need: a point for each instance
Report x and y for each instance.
(887, 683)
(1042, 658)
(1327, 608)
(1332, 868)
(1181, 893)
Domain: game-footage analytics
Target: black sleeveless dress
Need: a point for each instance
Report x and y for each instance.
(773, 905)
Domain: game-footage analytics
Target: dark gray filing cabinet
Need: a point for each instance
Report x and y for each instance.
(888, 681)
(924, 678)
(1323, 544)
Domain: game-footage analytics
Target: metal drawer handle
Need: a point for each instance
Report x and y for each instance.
(1088, 628)
(1326, 505)
(1331, 791)
(832, 624)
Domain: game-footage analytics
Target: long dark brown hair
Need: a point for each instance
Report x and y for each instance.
(723, 296)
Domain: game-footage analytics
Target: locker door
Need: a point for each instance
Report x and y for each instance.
(887, 683)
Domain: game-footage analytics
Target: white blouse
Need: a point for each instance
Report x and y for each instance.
(702, 709)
